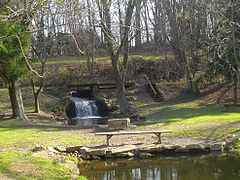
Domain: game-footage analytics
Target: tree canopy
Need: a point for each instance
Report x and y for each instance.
(12, 65)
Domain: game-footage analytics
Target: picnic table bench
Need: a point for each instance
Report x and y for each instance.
(110, 134)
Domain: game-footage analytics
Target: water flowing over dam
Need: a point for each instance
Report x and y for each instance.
(86, 111)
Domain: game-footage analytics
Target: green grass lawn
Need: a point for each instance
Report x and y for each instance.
(75, 60)
(17, 140)
(193, 119)
(12, 163)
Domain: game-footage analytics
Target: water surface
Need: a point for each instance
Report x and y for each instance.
(204, 167)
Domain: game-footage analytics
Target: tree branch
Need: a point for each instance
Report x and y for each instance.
(26, 59)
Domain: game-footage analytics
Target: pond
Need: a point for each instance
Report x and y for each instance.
(204, 167)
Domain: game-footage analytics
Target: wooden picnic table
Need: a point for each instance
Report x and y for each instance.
(110, 134)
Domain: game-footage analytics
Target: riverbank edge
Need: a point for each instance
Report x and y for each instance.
(83, 153)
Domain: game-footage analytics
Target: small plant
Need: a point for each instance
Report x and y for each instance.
(236, 143)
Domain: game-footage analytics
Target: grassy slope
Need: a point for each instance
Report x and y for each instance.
(192, 119)
(68, 60)
(17, 138)
(189, 119)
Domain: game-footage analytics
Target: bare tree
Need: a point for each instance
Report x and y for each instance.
(186, 21)
(37, 90)
(138, 38)
(115, 48)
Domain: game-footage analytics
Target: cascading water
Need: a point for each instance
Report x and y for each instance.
(85, 108)
(86, 111)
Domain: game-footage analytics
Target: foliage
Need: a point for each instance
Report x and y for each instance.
(236, 143)
(12, 64)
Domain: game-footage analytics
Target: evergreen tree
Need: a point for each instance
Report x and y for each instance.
(12, 64)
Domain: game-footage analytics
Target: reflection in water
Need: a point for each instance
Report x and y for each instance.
(164, 168)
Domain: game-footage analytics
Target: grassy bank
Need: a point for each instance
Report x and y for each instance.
(193, 119)
(19, 138)
(74, 60)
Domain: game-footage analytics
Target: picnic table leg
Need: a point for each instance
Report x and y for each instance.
(159, 137)
(108, 138)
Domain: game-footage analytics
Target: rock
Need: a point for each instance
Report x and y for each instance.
(123, 149)
(175, 146)
(182, 149)
(217, 147)
(52, 150)
(83, 150)
(73, 149)
(70, 110)
(118, 123)
(86, 157)
(104, 108)
(38, 148)
(195, 147)
(60, 149)
(97, 152)
(124, 155)
(168, 148)
(96, 157)
(109, 156)
(144, 155)
(152, 148)
(129, 154)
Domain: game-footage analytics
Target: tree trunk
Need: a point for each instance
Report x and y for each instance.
(235, 58)
(138, 24)
(235, 101)
(122, 99)
(121, 96)
(145, 16)
(120, 20)
(36, 103)
(16, 100)
(191, 85)
(114, 53)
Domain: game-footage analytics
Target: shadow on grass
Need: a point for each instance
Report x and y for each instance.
(48, 128)
(226, 130)
(186, 97)
(8, 124)
(159, 114)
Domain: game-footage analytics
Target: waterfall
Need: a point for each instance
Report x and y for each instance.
(86, 111)
(85, 108)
